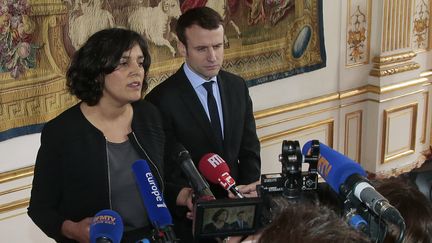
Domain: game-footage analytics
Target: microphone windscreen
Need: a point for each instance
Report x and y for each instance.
(212, 166)
(153, 199)
(333, 166)
(106, 224)
(178, 151)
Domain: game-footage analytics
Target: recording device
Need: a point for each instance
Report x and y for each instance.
(198, 184)
(347, 178)
(216, 170)
(208, 212)
(154, 203)
(106, 227)
(293, 185)
(292, 182)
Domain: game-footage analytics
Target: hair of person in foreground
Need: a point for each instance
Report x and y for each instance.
(310, 223)
(414, 207)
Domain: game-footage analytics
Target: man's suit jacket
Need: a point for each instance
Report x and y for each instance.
(186, 122)
(236, 225)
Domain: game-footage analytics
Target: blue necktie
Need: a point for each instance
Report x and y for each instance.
(213, 111)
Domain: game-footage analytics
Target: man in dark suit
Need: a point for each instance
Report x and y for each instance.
(240, 222)
(207, 110)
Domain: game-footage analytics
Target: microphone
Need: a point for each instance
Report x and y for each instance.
(216, 170)
(106, 227)
(198, 184)
(343, 174)
(154, 202)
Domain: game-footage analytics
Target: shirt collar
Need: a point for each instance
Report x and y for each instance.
(194, 78)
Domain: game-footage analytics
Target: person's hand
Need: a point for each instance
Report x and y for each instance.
(247, 190)
(184, 198)
(79, 231)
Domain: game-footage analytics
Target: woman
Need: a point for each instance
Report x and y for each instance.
(84, 161)
(218, 222)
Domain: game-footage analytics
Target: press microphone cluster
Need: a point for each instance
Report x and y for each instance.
(106, 227)
(347, 177)
(199, 185)
(216, 170)
(154, 203)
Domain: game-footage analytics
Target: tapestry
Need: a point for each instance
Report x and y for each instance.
(264, 41)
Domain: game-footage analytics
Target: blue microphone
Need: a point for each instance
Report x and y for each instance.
(106, 227)
(154, 202)
(340, 172)
(333, 166)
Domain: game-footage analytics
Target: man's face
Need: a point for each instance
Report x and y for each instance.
(204, 51)
(240, 216)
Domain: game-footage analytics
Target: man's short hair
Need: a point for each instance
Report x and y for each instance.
(204, 17)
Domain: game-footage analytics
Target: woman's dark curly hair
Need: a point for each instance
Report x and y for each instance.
(100, 56)
(219, 213)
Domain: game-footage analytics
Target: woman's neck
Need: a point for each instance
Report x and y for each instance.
(113, 121)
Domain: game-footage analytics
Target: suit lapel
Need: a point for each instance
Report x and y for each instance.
(227, 109)
(196, 111)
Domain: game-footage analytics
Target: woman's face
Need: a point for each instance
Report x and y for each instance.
(223, 216)
(124, 84)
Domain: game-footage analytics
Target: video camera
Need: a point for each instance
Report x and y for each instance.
(293, 185)
(292, 181)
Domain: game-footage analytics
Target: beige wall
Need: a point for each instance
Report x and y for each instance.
(383, 121)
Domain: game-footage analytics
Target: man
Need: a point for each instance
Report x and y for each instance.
(216, 121)
(240, 223)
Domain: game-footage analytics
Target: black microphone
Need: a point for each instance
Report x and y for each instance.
(198, 184)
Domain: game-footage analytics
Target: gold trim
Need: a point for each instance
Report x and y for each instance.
(394, 70)
(295, 106)
(386, 158)
(13, 216)
(429, 47)
(425, 117)
(342, 95)
(16, 174)
(358, 91)
(21, 188)
(426, 73)
(291, 118)
(329, 122)
(399, 155)
(354, 115)
(385, 26)
(14, 205)
(400, 96)
(396, 58)
(405, 84)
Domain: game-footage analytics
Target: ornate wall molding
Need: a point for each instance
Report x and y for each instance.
(396, 27)
(425, 116)
(353, 134)
(393, 64)
(358, 32)
(392, 146)
(421, 25)
(327, 124)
